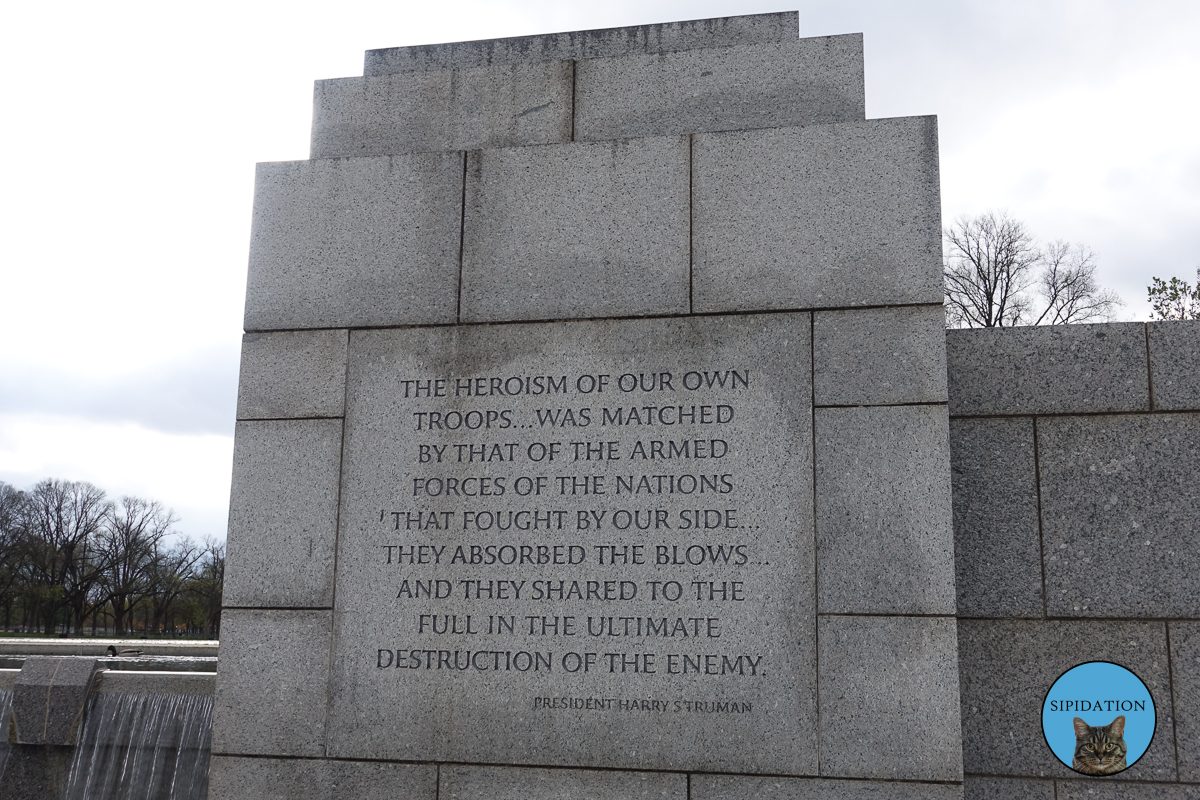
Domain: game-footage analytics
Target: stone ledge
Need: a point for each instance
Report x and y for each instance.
(663, 37)
(530, 783)
(236, 778)
(738, 787)
(111, 681)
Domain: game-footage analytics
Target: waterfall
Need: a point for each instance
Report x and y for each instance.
(6, 697)
(143, 747)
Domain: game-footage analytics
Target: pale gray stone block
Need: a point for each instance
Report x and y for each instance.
(465, 109)
(743, 787)
(359, 241)
(889, 698)
(1121, 515)
(1185, 674)
(997, 543)
(1006, 668)
(233, 778)
(1175, 364)
(283, 513)
(1059, 369)
(576, 230)
(818, 216)
(516, 783)
(663, 37)
(290, 374)
(1102, 790)
(885, 541)
(879, 356)
(719, 89)
(1007, 789)
(49, 697)
(273, 683)
(490, 712)
(114, 681)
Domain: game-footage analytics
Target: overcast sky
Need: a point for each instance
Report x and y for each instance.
(131, 131)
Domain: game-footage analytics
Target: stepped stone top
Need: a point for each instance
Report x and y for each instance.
(663, 37)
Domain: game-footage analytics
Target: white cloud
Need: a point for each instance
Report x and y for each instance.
(190, 473)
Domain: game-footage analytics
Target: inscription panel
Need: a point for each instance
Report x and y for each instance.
(584, 544)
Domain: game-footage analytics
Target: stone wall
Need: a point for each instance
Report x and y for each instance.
(704, 208)
(682, 244)
(1076, 463)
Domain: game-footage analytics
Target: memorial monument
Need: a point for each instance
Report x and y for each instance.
(593, 434)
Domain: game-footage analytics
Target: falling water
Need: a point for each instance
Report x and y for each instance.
(143, 747)
(5, 707)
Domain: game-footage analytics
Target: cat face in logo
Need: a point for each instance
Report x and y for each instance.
(1099, 750)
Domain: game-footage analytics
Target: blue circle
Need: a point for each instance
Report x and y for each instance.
(1098, 692)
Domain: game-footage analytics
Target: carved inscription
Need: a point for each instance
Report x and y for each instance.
(542, 483)
(576, 530)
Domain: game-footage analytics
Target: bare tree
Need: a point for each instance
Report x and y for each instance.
(61, 519)
(989, 266)
(1068, 284)
(65, 548)
(170, 571)
(129, 540)
(11, 535)
(206, 586)
(997, 275)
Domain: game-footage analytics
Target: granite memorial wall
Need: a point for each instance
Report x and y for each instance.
(1076, 471)
(593, 435)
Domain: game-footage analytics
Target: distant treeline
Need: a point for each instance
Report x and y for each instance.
(73, 561)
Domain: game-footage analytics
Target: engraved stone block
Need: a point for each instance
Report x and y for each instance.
(565, 545)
